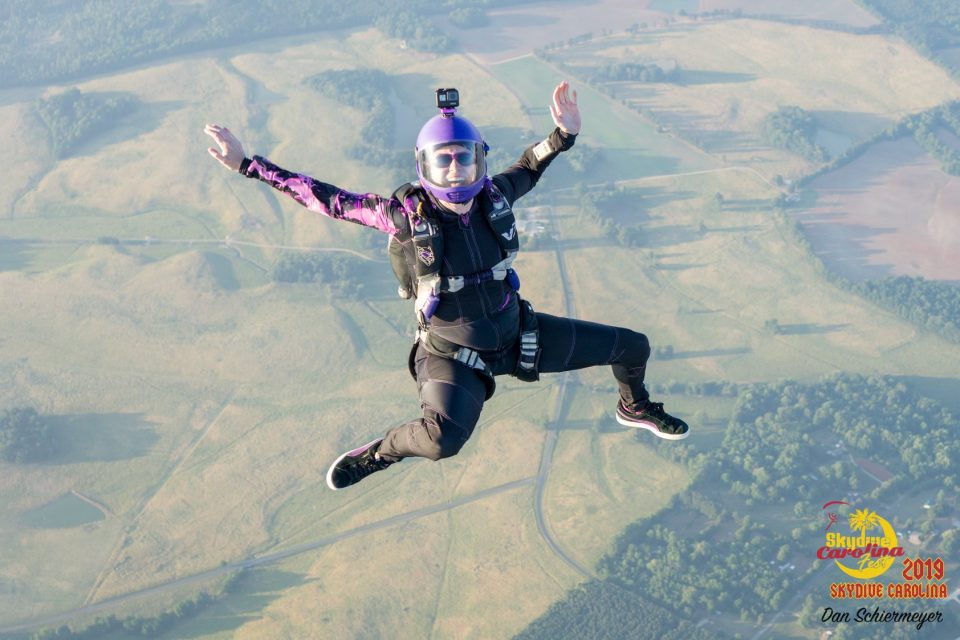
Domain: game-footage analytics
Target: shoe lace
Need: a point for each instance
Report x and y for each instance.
(364, 466)
(655, 409)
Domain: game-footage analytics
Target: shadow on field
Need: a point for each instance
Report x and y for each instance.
(145, 118)
(668, 235)
(752, 204)
(677, 266)
(742, 229)
(853, 124)
(244, 602)
(14, 254)
(844, 247)
(686, 77)
(100, 437)
(809, 328)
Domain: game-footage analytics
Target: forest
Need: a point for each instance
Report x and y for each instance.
(43, 42)
(604, 611)
(930, 25)
(931, 305)
(735, 541)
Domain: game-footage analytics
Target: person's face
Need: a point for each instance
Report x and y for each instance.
(453, 165)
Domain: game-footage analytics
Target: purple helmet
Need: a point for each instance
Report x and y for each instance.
(451, 158)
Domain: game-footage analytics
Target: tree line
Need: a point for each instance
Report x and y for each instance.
(140, 626)
(932, 305)
(602, 610)
(634, 72)
(930, 25)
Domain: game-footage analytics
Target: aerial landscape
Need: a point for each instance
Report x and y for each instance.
(769, 190)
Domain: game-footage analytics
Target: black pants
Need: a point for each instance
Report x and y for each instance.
(452, 394)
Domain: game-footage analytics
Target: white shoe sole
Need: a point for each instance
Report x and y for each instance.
(337, 461)
(652, 428)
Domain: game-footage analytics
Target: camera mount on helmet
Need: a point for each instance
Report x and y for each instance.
(450, 152)
(447, 101)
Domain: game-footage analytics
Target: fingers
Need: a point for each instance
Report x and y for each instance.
(562, 97)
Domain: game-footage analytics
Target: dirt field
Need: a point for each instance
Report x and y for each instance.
(891, 212)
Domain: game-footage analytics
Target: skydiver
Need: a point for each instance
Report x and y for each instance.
(457, 234)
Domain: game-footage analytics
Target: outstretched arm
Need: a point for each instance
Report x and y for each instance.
(370, 209)
(524, 174)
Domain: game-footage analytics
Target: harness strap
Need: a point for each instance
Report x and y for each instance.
(528, 364)
(440, 347)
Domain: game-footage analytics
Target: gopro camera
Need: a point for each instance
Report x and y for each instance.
(448, 98)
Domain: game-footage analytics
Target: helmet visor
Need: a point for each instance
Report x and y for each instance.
(458, 163)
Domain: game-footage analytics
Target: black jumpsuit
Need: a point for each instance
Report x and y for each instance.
(484, 317)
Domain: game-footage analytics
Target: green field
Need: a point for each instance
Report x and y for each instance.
(199, 402)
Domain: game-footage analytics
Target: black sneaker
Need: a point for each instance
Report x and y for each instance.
(354, 466)
(654, 419)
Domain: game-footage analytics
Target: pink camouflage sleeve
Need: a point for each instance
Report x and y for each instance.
(369, 209)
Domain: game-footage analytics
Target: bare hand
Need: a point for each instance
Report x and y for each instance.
(231, 151)
(564, 110)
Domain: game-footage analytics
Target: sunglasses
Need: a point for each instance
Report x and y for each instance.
(444, 160)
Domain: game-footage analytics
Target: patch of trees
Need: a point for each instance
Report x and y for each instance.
(709, 388)
(795, 130)
(582, 157)
(72, 117)
(924, 127)
(603, 609)
(418, 31)
(334, 269)
(932, 305)
(596, 205)
(24, 436)
(132, 626)
(634, 72)
(367, 90)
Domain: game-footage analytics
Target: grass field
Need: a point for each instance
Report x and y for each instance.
(202, 402)
(735, 72)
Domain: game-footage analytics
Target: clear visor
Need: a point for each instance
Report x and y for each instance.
(452, 164)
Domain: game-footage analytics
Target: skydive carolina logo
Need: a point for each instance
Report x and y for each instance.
(856, 553)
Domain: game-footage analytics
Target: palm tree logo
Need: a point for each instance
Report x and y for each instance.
(864, 520)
